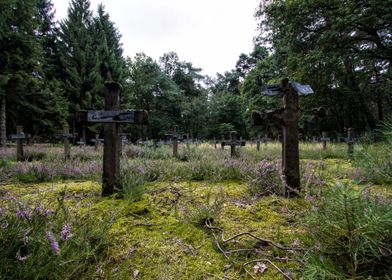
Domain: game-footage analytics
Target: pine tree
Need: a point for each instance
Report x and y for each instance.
(19, 56)
(79, 60)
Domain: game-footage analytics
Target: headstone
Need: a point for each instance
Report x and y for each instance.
(288, 117)
(112, 117)
(233, 143)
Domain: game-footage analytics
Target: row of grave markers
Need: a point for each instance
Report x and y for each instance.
(112, 117)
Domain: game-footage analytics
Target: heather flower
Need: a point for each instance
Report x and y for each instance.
(21, 258)
(4, 225)
(53, 242)
(65, 233)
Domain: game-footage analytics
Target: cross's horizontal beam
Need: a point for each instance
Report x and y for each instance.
(116, 116)
(19, 136)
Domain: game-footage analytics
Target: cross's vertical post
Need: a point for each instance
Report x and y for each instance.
(233, 138)
(96, 142)
(175, 141)
(19, 144)
(350, 141)
(67, 146)
(290, 145)
(324, 136)
(111, 150)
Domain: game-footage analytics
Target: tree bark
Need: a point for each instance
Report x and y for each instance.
(3, 130)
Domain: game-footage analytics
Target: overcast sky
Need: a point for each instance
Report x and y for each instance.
(209, 33)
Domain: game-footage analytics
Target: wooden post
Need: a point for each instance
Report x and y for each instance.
(214, 143)
(290, 145)
(111, 150)
(67, 146)
(96, 142)
(233, 137)
(19, 144)
(258, 142)
(324, 138)
(175, 142)
(350, 141)
(287, 117)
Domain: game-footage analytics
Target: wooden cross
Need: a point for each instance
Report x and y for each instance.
(19, 137)
(324, 138)
(66, 136)
(96, 142)
(112, 117)
(233, 142)
(175, 141)
(350, 141)
(287, 117)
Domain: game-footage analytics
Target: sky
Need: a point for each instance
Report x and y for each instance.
(209, 33)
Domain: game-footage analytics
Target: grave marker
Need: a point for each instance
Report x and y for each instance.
(350, 141)
(97, 141)
(287, 117)
(20, 137)
(175, 141)
(324, 138)
(233, 143)
(112, 117)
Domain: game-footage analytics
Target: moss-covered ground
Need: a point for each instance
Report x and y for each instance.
(174, 231)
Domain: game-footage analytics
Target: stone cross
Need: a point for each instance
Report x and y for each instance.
(287, 117)
(112, 117)
(233, 142)
(19, 137)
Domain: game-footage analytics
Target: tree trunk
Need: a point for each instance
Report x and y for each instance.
(352, 83)
(3, 131)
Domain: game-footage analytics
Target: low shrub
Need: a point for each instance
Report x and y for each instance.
(350, 236)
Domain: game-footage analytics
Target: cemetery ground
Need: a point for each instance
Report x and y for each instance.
(202, 215)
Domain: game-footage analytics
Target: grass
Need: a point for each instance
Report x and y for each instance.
(169, 224)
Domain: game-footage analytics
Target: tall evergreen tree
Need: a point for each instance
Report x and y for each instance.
(79, 60)
(19, 56)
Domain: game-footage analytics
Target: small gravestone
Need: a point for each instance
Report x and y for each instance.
(233, 143)
(287, 117)
(112, 117)
(20, 137)
(324, 138)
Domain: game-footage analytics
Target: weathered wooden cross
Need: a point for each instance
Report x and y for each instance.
(324, 138)
(287, 117)
(112, 117)
(233, 142)
(66, 136)
(96, 142)
(20, 137)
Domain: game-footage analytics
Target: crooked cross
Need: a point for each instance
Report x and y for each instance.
(112, 117)
(287, 117)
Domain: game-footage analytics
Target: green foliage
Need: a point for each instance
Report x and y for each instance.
(58, 243)
(376, 159)
(351, 235)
